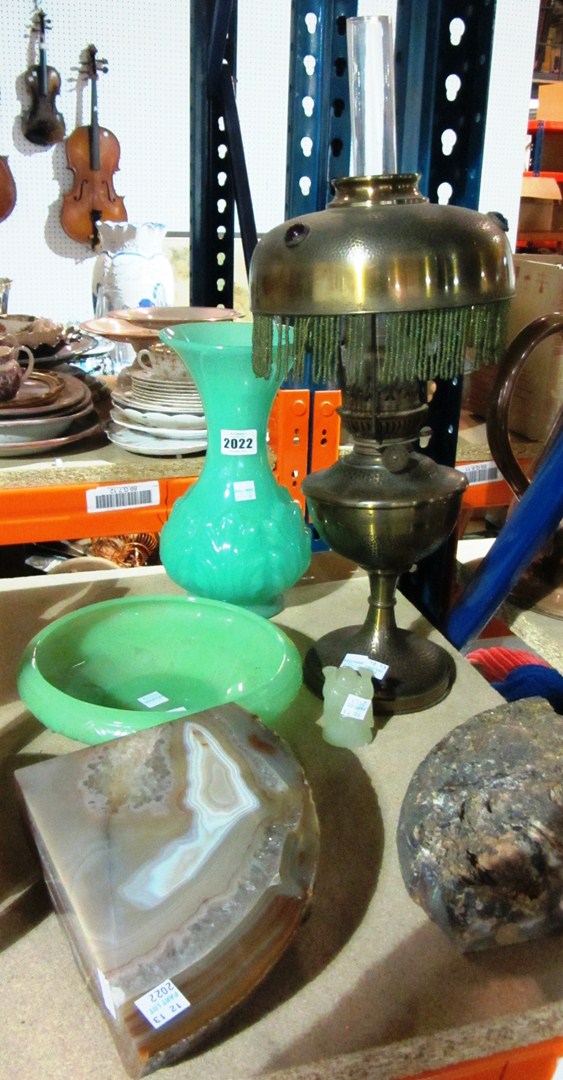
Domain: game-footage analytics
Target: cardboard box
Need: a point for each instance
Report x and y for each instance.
(538, 393)
(550, 101)
(546, 154)
(540, 196)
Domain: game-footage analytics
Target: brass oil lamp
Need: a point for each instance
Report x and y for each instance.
(384, 291)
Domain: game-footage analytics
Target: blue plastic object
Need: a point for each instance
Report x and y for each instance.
(528, 528)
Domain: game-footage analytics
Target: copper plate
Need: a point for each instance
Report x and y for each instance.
(73, 393)
(82, 429)
(24, 429)
(64, 353)
(159, 317)
(120, 330)
(38, 389)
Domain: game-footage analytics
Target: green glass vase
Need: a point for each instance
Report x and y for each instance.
(236, 535)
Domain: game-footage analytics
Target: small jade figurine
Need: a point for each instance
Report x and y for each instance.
(348, 707)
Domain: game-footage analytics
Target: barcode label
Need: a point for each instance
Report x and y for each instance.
(123, 496)
(480, 472)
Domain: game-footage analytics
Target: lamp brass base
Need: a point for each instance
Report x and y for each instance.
(420, 673)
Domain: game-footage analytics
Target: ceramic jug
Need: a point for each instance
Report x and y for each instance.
(12, 374)
(131, 270)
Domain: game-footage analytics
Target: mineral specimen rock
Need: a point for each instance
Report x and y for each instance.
(347, 717)
(480, 834)
(181, 860)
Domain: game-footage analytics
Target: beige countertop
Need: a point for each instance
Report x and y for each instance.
(94, 461)
(369, 986)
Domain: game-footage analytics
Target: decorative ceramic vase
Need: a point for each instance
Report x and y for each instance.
(131, 270)
(236, 535)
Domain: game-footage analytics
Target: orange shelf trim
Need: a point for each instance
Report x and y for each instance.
(289, 435)
(31, 515)
(534, 1062)
(325, 429)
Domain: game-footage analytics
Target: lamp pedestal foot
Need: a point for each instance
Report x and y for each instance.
(419, 672)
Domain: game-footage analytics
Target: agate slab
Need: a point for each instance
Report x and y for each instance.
(180, 861)
(481, 825)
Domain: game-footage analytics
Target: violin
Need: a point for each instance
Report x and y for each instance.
(92, 154)
(7, 189)
(42, 124)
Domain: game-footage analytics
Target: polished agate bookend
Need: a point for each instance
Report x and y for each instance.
(180, 861)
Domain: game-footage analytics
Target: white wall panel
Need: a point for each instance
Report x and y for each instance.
(143, 99)
(262, 80)
(507, 114)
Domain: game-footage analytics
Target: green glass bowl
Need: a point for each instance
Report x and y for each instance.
(122, 665)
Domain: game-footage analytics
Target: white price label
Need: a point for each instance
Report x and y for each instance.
(359, 662)
(152, 700)
(355, 707)
(122, 496)
(239, 443)
(162, 1004)
(244, 490)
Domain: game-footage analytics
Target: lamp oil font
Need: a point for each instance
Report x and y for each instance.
(384, 291)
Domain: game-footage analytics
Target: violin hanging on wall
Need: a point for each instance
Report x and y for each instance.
(42, 124)
(7, 189)
(92, 154)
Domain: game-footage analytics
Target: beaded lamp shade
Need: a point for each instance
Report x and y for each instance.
(429, 283)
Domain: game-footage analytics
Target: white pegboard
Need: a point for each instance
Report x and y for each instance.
(143, 99)
(262, 81)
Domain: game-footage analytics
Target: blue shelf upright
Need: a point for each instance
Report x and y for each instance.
(218, 176)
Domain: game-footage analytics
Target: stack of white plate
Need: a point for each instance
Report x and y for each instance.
(156, 428)
(175, 393)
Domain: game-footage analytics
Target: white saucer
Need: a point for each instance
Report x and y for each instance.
(152, 446)
(126, 398)
(180, 402)
(172, 421)
(182, 435)
(149, 379)
(188, 396)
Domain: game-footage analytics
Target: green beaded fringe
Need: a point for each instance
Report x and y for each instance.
(439, 343)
